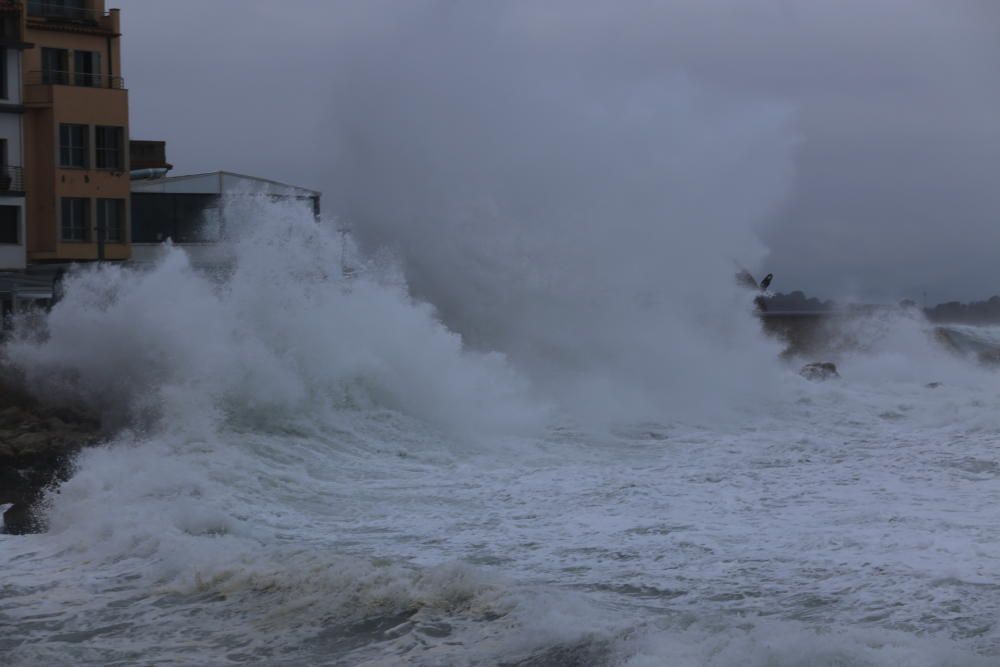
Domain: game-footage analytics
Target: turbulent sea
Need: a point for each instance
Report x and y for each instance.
(311, 471)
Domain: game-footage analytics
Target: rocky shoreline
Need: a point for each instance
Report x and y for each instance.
(37, 446)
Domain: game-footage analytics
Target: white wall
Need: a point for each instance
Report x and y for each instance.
(218, 183)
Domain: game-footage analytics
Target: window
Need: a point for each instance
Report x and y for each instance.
(69, 9)
(3, 74)
(73, 145)
(75, 219)
(111, 219)
(10, 28)
(110, 147)
(184, 218)
(87, 68)
(10, 224)
(55, 66)
(9, 179)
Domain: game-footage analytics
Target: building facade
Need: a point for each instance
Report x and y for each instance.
(76, 174)
(196, 211)
(12, 199)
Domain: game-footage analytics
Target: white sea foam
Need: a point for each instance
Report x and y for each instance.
(317, 472)
(285, 332)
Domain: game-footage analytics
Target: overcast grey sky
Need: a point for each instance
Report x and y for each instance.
(894, 106)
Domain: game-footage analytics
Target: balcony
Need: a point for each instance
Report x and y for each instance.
(65, 10)
(11, 179)
(66, 78)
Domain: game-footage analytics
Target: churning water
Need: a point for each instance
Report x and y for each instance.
(310, 470)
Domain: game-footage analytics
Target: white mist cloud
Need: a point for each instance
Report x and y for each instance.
(584, 222)
(896, 104)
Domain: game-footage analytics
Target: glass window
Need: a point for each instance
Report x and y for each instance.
(10, 27)
(111, 218)
(10, 219)
(184, 218)
(87, 68)
(191, 222)
(110, 146)
(75, 219)
(55, 66)
(73, 145)
(69, 9)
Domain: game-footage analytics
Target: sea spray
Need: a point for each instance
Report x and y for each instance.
(296, 483)
(584, 223)
(282, 330)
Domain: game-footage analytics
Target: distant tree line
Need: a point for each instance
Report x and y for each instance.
(975, 312)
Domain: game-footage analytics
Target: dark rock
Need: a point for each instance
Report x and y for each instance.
(12, 417)
(22, 519)
(821, 370)
(30, 443)
(38, 444)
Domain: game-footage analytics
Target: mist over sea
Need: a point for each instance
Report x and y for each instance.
(536, 422)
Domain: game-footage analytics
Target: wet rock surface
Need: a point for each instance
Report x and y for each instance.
(37, 447)
(818, 371)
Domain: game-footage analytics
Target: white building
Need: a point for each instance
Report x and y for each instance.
(192, 210)
(12, 211)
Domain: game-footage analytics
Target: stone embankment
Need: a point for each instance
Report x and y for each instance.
(37, 447)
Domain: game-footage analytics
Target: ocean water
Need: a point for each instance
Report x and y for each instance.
(308, 470)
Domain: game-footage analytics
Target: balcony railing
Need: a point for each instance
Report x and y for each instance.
(11, 179)
(63, 11)
(53, 77)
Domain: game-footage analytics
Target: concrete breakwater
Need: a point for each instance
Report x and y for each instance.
(813, 334)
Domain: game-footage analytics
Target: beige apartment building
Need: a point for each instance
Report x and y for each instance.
(76, 171)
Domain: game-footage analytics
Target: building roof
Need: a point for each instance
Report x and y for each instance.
(220, 182)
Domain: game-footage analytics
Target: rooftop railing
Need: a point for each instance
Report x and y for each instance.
(53, 77)
(65, 11)
(11, 179)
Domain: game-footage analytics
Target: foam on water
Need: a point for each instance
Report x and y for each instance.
(315, 471)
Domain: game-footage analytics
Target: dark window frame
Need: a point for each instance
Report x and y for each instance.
(67, 9)
(4, 87)
(79, 230)
(59, 75)
(111, 157)
(10, 28)
(104, 206)
(181, 217)
(69, 151)
(16, 210)
(89, 76)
